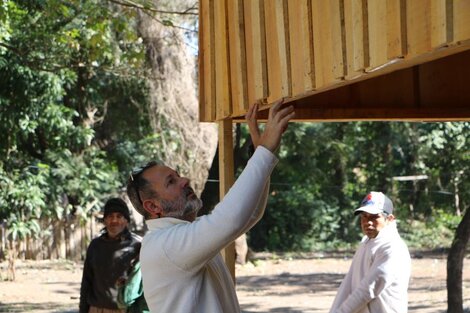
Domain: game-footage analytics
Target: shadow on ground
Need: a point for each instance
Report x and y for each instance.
(51, 307)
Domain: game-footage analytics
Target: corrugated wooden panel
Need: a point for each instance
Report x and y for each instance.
(386, 31)
(222, 75)
(301, 46)
(426, 25)
(461, 15)
(206, 62)
(327, 39)
(355, 31)
(277, 49)
(236, 29)
(255, 43)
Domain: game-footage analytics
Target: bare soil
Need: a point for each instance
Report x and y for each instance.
(272, 283)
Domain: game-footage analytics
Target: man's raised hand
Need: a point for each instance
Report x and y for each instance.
(276, 125)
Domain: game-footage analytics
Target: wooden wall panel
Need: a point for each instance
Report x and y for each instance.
(426, 25)
(461, 16)
(255, 44)
(236, 29)
(327, 42)
(253, 50)
(277, 49)
(386, 31)
(222, 74)
(206, 62)
(357, 49)
(301, 46)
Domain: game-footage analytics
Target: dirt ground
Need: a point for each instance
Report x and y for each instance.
(272, 283)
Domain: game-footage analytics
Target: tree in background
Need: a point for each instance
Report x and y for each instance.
(75, 114)
(89, 92)
(328, 167)
(188, 146)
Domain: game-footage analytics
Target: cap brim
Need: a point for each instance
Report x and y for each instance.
(368, 209)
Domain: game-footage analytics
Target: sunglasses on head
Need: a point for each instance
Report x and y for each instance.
(135, 174)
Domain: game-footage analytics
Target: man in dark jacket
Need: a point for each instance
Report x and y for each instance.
(108, 260)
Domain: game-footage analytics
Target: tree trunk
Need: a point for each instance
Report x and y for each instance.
(455, 265)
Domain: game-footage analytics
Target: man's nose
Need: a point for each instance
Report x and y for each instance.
(113, 218)
(184, 182)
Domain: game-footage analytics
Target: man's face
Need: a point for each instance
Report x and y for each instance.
(115, 223)
(372, 224)
(176, 197)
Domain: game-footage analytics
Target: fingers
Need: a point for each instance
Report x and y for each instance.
(285, 112)
(275, 107)
(285, 120)
(252, 112)
(251, 119)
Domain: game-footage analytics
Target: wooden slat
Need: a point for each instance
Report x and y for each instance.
(354, 32)
(236, 29)
(426, 25)
(277, 50)
(226, 179)
(207, 89)
(461, 15)
(327, 39)
(377, 15)
(396, 28)
(255, 43)
(385, 25)
(222, 75)
(301, 46)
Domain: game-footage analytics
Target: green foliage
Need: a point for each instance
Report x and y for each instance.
(327, 168)
(73, 89)
(437, 231)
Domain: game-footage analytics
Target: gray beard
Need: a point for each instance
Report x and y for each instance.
(181, 207)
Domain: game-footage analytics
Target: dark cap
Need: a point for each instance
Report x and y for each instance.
(116, 205)
(375, 203)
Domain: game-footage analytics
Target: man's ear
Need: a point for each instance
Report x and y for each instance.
(391, 217)
(153, 207)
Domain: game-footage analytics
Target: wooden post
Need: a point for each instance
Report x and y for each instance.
(226, 178)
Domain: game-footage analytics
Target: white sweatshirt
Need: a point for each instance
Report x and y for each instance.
(182, 269)
(377, 281)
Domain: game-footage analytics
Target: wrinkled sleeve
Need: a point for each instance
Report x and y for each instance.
(86, 284)
(192, 245)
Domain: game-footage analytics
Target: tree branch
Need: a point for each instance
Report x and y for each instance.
(132, 4)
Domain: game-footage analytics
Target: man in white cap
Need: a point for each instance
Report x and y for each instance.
(377, 281)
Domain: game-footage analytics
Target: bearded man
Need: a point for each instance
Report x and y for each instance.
(182, 269)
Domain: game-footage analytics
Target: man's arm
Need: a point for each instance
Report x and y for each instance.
(192, 245)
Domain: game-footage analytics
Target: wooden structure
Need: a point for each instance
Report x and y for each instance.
(335, 60)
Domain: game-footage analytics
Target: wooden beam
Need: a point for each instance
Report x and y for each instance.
(226, 179)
